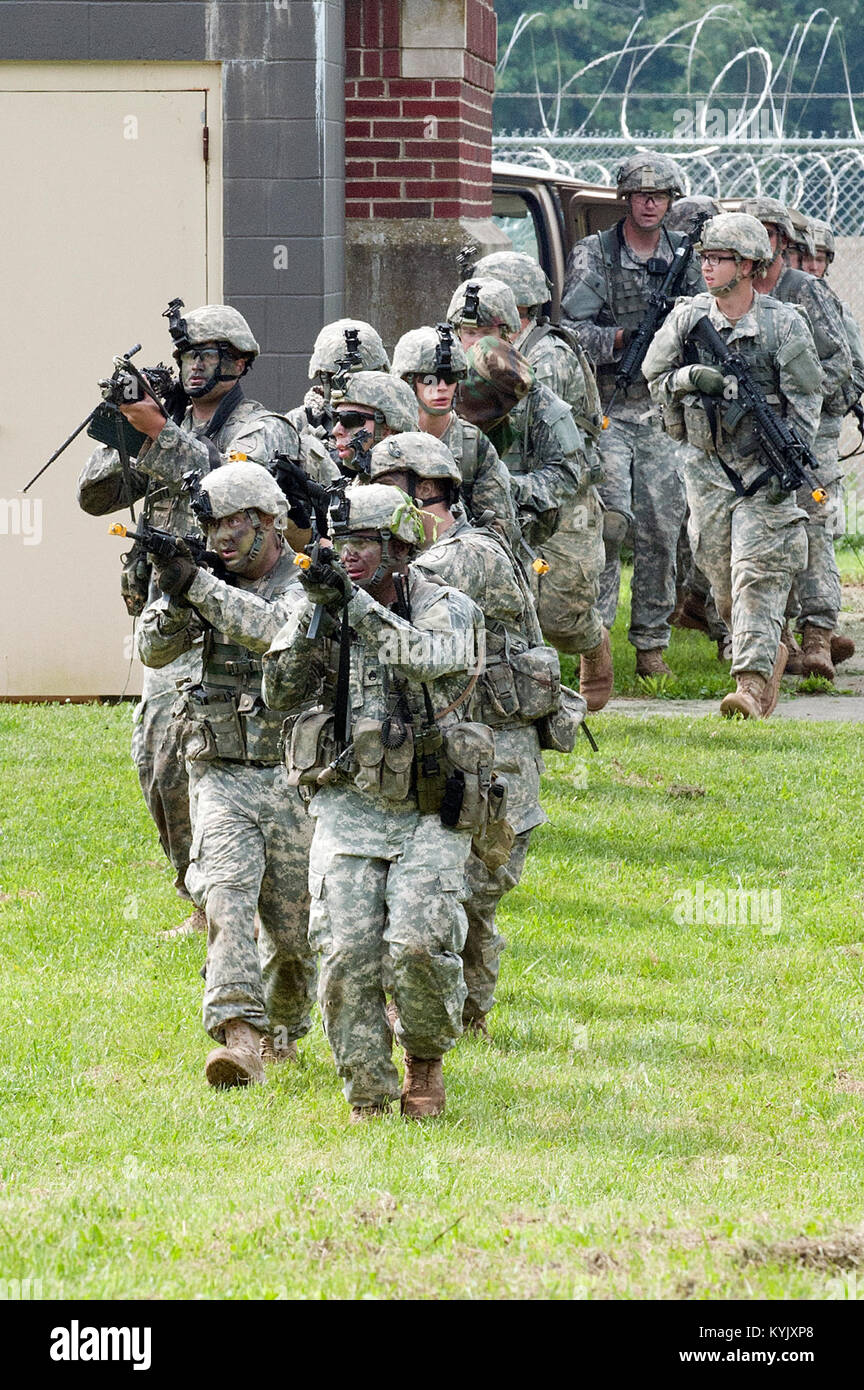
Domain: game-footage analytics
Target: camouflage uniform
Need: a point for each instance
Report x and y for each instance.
(387, 882)
(749, 548)
(475, 562)
(328, 357)
(252, 834)
(157, 475)
(607, 288)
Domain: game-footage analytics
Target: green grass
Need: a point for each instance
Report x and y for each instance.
(666, 1110)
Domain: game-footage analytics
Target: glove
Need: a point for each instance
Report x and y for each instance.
(706, 380)
(327, 584)
(174, 576)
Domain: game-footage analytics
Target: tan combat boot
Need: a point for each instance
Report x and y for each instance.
(841, 648)
(475, 1027)
(795, 662)
(596, 675)
(423, 1088)
(771, 693)
(746, 700)
(359, 1113)
(238, 1063)
(651, 663)
(274, 1053)
(816, 651)
(196, 922)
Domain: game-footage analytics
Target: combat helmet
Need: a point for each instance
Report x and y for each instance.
(823, 238)
(681, 217)
(240, 486)
(744, 235)
(219, 323)
(766, 209)
(332, 349)
(525, 277)
(801, 234)
(392, 400)
(647, 173)
(413, 452)
(485, 303)
(377, 507)
(428, 350)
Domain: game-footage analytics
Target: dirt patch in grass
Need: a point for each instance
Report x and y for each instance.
(844, 1250)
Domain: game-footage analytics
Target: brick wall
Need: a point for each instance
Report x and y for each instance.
(418, 145)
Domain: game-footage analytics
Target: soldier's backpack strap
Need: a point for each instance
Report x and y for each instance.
(591, 421)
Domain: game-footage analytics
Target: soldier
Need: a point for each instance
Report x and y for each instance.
(800, 245)
(610, 275)
(545, 453)
(750, 548)
(252, 834)
(213, 418)
(333, 356)
(366, 399)
(421, 359)
(386, 872)
(818, 587)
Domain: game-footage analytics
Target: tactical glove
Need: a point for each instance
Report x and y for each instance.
(175, 576)
(708, 381)
(327, 584)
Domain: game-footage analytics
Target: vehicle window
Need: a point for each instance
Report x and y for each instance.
(514, 215)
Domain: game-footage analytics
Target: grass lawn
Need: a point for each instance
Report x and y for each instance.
(672, 1105)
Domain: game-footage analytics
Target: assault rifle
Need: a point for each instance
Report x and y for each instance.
(166, 546)
(307, 500)
(787, 458)
(660, 302)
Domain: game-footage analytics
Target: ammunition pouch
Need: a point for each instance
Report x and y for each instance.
(672, 420)
(494, 843)
(537, 678)
(469, 757)
(220, 725)
(311, 746)
(558, 731)
(135, 580)
(380, 770)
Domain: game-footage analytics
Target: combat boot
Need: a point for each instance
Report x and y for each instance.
(771, 693)
(275, 1053)
(690, 612)
(795, 661)
(423, 1088)
(238, 1063)
(475, 1027)
(359, 1113)
(196, 922)
(596, 674)
(746, 699)
(816, 651)
(841, 648)
(651, 663)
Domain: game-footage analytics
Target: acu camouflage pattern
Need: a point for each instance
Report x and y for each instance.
(523, 275)
(749, 548)
(736, 231)
(832, 346)
(415, 452)
(496, 306)
(559, 362)
(379, 391)
(485, 479)
(682, 215)
(220, 323)
(330, 348)
(647, 172)
(766, 209)
(416, 352)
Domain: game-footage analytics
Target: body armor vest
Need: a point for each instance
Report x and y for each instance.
(627, 302)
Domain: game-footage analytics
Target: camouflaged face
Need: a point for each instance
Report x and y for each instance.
(524, 276)
(766, 209)
(238, 487)
(646, 173)
(496, 305)
(736, 231)
(381, 391)
(330, 348)
(416, 351)
(414, 452)
(375, 507)
(221, 323)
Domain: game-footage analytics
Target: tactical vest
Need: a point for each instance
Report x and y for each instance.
(760, 354)
(590, 419)
(228, 701)
(627, 292)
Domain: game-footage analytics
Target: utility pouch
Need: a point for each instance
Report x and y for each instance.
(213, 728)
(494, 844)
(537, 678)
(558, 731)
(384, 771)
(135, 580)
(262, 727)
(470, 754)
(672, 420)
(431, 772)
(498, 688)
(698, 428)
(311, 747)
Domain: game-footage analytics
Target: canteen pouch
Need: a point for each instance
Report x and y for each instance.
(212, 728)
(262, 727)
(537, 678)
(469, 754)
(311, 747)
(495, 842)
(558, 731)
(383, 771)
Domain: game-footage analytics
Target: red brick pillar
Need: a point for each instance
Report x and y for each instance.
(418, 147)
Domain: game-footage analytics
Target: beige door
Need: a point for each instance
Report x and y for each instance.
(109, 211)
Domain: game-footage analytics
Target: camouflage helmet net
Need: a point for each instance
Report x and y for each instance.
(738, 232)
(376, 507)
(681, 217)
(646, 173)
(219, 323)
(823, 238)
(330, 348)
(390, 397)
(244, 486)
(520, 272)
(414, 452)
(495, 305)
(418, 352)
(766, 209)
